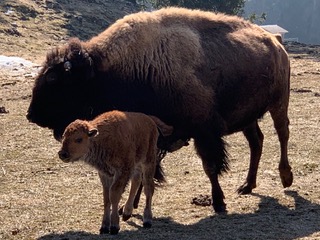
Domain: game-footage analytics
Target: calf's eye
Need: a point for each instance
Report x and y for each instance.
(78, 140)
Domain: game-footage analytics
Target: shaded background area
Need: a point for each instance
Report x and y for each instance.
(300, 18)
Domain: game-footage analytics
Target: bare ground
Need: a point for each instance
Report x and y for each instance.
(44, 198)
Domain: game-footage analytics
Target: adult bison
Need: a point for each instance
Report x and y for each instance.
(206, 74)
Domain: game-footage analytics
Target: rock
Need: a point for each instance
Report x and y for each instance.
(3, 110)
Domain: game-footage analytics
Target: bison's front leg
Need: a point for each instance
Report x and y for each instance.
(106, 183)
(212, 152)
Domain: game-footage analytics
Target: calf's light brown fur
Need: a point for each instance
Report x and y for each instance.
(121, 146)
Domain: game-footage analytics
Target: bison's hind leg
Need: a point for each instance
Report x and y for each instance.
(211, 149)
(255, 139)
(281, 124)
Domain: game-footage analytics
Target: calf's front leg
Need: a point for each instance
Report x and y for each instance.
(106, 183)
(119, 183)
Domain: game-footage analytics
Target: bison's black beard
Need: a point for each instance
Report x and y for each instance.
(57, 133)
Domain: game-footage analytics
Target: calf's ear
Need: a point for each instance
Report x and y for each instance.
(93, 132)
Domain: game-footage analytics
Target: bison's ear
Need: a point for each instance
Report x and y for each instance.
(77, 57)
(93, 132)
(74, 47)
(76, 54)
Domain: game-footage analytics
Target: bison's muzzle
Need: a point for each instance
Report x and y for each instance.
(29, 116)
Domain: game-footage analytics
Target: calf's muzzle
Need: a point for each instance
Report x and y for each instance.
(63, 155)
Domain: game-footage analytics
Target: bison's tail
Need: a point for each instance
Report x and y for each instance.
(158, 180)
(279, 38)
(159, 175)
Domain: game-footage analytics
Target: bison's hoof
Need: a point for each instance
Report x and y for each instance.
(286, 179)
(220, 209)
(147, 224)
(245, 189)
(114, 230)
(104, 230)
(125, 217)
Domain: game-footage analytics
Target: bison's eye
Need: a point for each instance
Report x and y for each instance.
(78, 140)
(51, 77)
(67, 66)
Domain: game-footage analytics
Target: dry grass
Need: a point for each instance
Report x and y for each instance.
(43, 198)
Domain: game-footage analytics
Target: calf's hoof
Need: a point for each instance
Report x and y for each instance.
(147, 224)
(114, 230)
(104, 230)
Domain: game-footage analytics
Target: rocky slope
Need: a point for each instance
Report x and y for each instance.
(28, 28)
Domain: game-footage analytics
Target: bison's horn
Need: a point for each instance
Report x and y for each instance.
(67, 66)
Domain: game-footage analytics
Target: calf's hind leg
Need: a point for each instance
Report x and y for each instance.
(255, 139)
(148, 186)
(129, 205)
(137, 197)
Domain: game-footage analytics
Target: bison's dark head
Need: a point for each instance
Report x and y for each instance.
(62, 88)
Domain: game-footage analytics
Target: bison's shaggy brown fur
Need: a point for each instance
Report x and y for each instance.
(121, 146)
(206, 74)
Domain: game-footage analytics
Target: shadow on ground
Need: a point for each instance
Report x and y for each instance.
(280, 222)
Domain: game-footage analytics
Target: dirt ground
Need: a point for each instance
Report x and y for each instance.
(43, 198)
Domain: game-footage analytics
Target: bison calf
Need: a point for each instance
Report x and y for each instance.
(121, 146)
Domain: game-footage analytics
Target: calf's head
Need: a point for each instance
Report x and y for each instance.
(62, 88)
(76, 140)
